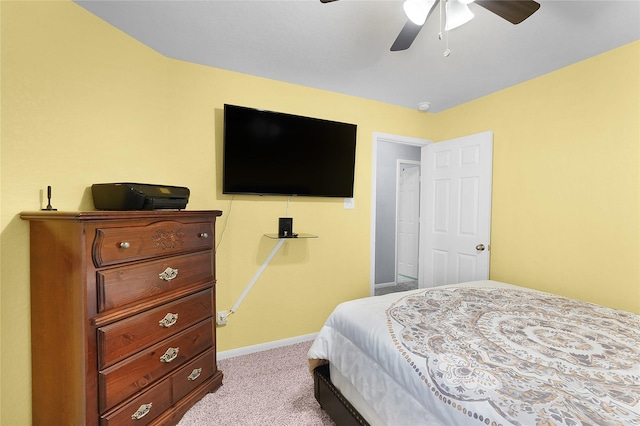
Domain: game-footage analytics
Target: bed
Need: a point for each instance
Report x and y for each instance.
(478, 353)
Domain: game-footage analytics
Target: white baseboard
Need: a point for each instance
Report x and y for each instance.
(381, 285)
(265, 346)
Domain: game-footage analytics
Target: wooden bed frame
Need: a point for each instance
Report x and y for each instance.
(333, 402)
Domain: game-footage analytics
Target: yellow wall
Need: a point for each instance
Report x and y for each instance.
(566, 180)
(84, 103)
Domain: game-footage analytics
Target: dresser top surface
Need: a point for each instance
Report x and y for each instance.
(115, 215)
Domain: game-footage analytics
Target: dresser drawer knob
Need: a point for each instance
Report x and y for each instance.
(168, 274)
(195, 374)
(203, 235)
(124, 245)
(142, 411)
(170, 355)
(168, 320)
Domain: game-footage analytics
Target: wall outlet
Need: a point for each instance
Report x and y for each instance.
(221, 318)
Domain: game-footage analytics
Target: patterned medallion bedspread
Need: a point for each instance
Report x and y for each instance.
(488, 353)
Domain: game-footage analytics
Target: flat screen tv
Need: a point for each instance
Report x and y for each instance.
(273, 153)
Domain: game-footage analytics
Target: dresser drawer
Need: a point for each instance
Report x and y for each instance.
(192, 375)
(126, 337)
(118, 245)
(124, 379)
(143, 409)
(126, 284)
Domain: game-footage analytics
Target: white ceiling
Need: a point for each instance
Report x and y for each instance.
(344, 46)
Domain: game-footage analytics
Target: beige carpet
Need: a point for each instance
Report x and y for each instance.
(272, 388)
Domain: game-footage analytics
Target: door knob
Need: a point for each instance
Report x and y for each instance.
(480, 247)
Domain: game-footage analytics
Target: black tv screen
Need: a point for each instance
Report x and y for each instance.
(273, 153)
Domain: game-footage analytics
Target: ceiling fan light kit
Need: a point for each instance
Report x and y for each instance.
(457, 13)
(418, 10)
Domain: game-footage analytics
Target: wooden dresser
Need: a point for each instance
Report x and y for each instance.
(122, 315)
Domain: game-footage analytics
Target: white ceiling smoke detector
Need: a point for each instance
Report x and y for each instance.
(424, 106)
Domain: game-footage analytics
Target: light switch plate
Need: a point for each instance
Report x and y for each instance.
(349, 204)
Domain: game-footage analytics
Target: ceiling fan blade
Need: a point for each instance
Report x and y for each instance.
(408, 33)
(327, 1)
(514, 11)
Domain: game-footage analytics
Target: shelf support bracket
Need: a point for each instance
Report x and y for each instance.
(257, 275)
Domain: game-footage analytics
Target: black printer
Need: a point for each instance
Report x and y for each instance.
(138, 196)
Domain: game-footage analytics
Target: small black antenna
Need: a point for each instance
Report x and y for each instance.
(49, 200)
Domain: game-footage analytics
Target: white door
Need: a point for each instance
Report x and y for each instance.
(456, 206)
(407, 222)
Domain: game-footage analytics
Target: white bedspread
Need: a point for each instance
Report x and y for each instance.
(487, 353)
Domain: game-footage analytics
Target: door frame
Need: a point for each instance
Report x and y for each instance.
(383, 137)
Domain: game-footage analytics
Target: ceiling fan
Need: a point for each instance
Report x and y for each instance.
(457, 13)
